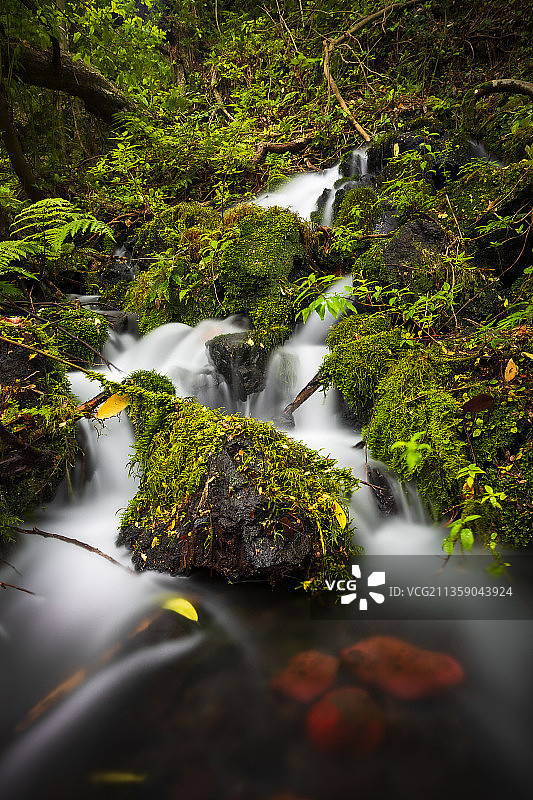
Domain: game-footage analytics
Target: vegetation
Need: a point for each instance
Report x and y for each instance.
(161, 120)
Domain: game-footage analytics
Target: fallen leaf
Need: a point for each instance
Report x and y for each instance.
(117, 777)
(481, 402)
(339, 514)
(181, 606)
(113, 406)
(510, 371)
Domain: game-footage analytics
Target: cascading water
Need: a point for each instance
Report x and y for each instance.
(192, 717)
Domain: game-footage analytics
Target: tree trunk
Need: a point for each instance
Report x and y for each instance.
(16, 155)
(37, 68)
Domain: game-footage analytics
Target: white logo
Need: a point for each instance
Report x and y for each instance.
(349, 588)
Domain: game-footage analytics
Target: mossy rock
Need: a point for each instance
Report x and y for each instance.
(362, 349)
(232, 495)
(411, 398)
(168, 229)
(89, 328)
(359, 208)
(254, 258)
(38, 409)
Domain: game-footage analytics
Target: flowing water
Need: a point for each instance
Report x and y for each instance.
(139, 702)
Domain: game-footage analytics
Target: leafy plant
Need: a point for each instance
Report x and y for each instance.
(414, 450)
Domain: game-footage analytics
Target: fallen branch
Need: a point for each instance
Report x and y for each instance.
(281, 147)
(91, 404)
(37, 532)
(330, 45)
(309, 389)
(12, 586)
(505, 86)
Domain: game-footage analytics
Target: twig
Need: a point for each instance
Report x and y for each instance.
(65, 331)
(306, 392)
(330, 45)
(44, 353)
(37, 532)
(12, 586)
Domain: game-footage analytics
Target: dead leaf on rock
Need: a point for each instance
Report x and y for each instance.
(510, 371)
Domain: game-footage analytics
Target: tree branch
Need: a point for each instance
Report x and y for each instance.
(76, 78)
(281, 147)
(504, 85)
(37, 532)
(330, 45)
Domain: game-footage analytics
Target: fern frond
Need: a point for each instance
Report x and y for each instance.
(11, 252)
(53, 212)
(56, 237)
(50, 222)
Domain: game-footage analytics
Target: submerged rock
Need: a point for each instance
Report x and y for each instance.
(307, 675)
(241, 361)
(400, 668)
(347, 721)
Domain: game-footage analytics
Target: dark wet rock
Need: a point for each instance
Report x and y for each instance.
(307, 675)
(390, 219)
(400, 668)
(381, 152)
(346, 720)
(382, 492)
(241, 362)
(224, 532)
(407, 246)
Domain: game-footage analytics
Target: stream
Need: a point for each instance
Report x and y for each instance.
(140, 702)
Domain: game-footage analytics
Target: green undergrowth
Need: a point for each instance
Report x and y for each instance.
(176, 441)
(213, 266)
(436, 412)
(37, 407)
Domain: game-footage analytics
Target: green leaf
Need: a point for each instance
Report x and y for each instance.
(467, 538)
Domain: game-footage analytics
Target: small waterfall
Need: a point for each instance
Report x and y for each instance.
(83, 604)
(300, 194)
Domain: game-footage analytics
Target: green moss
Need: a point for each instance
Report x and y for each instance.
(38, 407)
(87, 326)
(359, 209)
(362, 349)
(244, 267)
(411, 399)
(169, 230)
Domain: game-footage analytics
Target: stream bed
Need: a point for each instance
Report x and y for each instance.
(106, 694)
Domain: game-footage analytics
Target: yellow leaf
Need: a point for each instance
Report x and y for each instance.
(117, 777)
(510, 370)
(113, 406)
(396, 150)
(339, 514)
(181, 606)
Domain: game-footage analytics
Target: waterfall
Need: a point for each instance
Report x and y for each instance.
(83, 605)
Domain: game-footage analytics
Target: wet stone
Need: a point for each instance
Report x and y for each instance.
(241, 362)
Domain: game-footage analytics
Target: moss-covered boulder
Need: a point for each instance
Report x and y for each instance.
(245, 265)
(231, 495)
(37, 438)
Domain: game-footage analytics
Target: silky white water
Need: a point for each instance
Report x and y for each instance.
(83, 604)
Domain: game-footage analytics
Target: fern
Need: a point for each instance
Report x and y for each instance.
(49, 223)
(15, 251)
